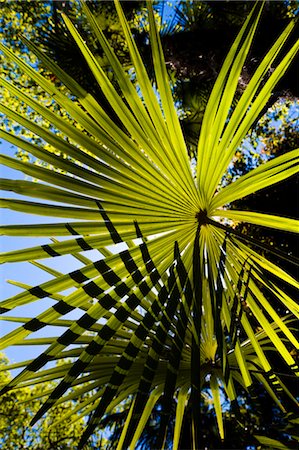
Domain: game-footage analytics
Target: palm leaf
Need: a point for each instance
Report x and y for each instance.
(173, 305)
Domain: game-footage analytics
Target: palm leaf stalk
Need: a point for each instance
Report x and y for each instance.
(162, 315)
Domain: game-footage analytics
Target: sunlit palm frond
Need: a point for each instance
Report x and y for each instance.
(177, 295)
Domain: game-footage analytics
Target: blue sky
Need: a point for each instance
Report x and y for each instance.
(24, 272)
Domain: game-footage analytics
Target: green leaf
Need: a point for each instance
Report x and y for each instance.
(174, 296)
(270, 443)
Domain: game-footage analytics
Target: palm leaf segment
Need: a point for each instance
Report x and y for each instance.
(163, 315)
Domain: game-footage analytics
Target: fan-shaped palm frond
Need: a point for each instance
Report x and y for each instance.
(181, 295)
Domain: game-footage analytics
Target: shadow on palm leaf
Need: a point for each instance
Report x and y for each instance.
(167, 347)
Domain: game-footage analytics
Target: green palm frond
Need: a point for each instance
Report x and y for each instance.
(181, 298)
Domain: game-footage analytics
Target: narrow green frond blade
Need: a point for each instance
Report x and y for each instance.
(214, 384)
(264, 220)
